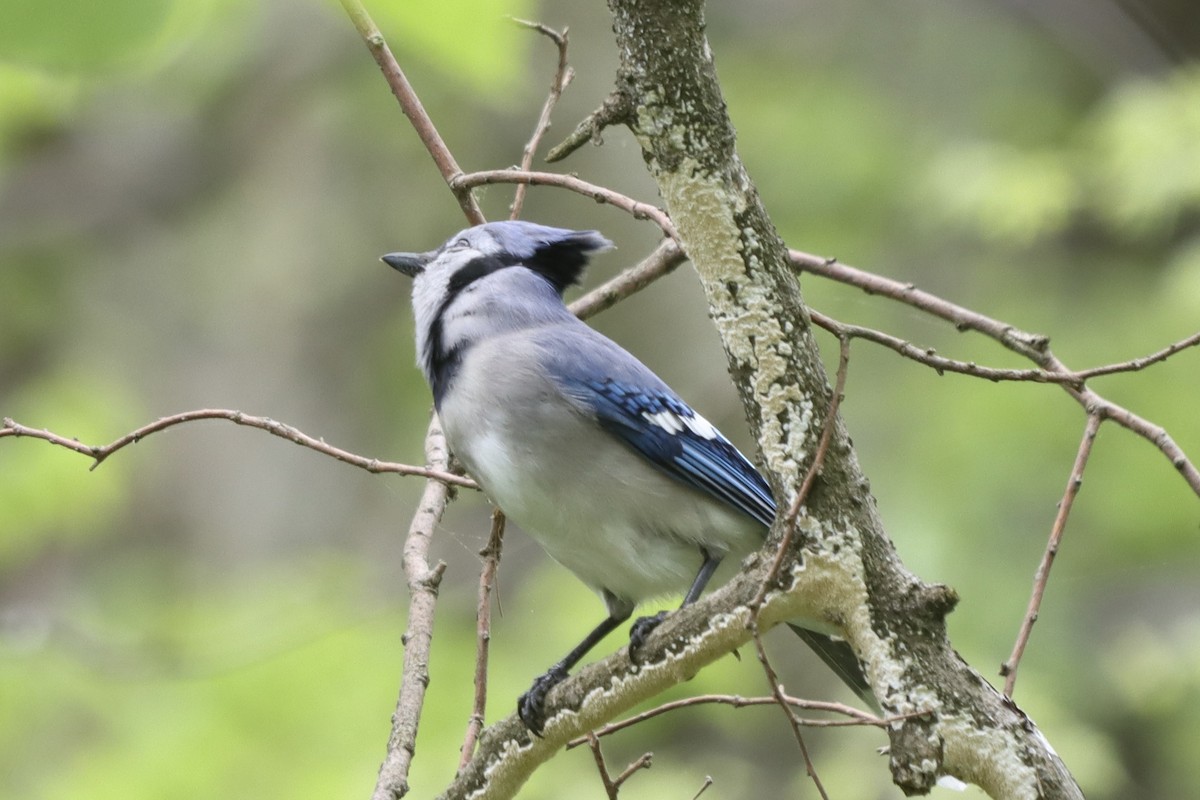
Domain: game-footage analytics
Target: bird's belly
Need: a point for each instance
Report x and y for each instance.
(606, 514)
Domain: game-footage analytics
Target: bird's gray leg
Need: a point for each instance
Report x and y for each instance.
(642, 627)
(531, 705)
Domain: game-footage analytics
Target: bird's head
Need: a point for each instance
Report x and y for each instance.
(557, 254)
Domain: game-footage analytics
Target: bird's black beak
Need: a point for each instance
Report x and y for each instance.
(411, 264)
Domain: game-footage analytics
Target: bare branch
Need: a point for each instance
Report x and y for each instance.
(929, 357)
(1035, 347)
(483, 634)
(600, 194)
(781, 701)
(562, 78)
(615, 110)
(641, 762)
(1031, 345)
(663, 260)
(423, 582)
(1074, 482)
(1137, 364)
(100, 452)
(411, 105)
(612, 786)
(856, 716)
(610, 789)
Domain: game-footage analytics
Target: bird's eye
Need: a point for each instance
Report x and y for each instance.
(459, 244)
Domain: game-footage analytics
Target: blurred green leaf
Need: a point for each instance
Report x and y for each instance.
(86, 39)
(47, 493)
(472, 41)
(31, 99)
(1147, 144)
(1005, 194)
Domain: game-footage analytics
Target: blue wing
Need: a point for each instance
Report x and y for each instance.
(677, 440)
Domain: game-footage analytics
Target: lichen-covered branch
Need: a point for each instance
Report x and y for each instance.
(894, 621)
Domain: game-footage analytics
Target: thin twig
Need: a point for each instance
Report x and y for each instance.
(1074, 482)
(781, 700)
(616, 108)
(562, 78)
(641, 762)
(483, 634)
(856, 716)
(600, 194)
(1137, 364)
(661, 261)
(612, 786)
(1035, 347)
(1030, 345)
(708, 781)
(610, 790)
(100, 452)
(789, 527)
(789, 518)
(423, 582)
(411, 105)
(930, 358)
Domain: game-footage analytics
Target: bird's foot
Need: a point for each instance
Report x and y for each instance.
(640, 631)
(531, 705)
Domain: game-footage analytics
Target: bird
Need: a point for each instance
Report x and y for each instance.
(577, 441)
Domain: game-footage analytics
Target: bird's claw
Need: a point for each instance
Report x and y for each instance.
(640, 632)
(531, 705)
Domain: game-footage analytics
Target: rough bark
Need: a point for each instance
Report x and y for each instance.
(841, 568)
(895, 622)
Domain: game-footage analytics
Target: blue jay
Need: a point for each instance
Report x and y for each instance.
(576, 440)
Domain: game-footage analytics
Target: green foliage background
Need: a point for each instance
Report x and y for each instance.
(193, 195)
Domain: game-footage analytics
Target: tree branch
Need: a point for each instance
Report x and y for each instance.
(841, 545)
(1042, 576)
(562, 78)
(483, 633)
(100, 452)
(600, 194)
(1035, 347)
(423, 583)
(856, 717)
(411, 105)
(847, 571)
(663, 260)
(616, 110)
